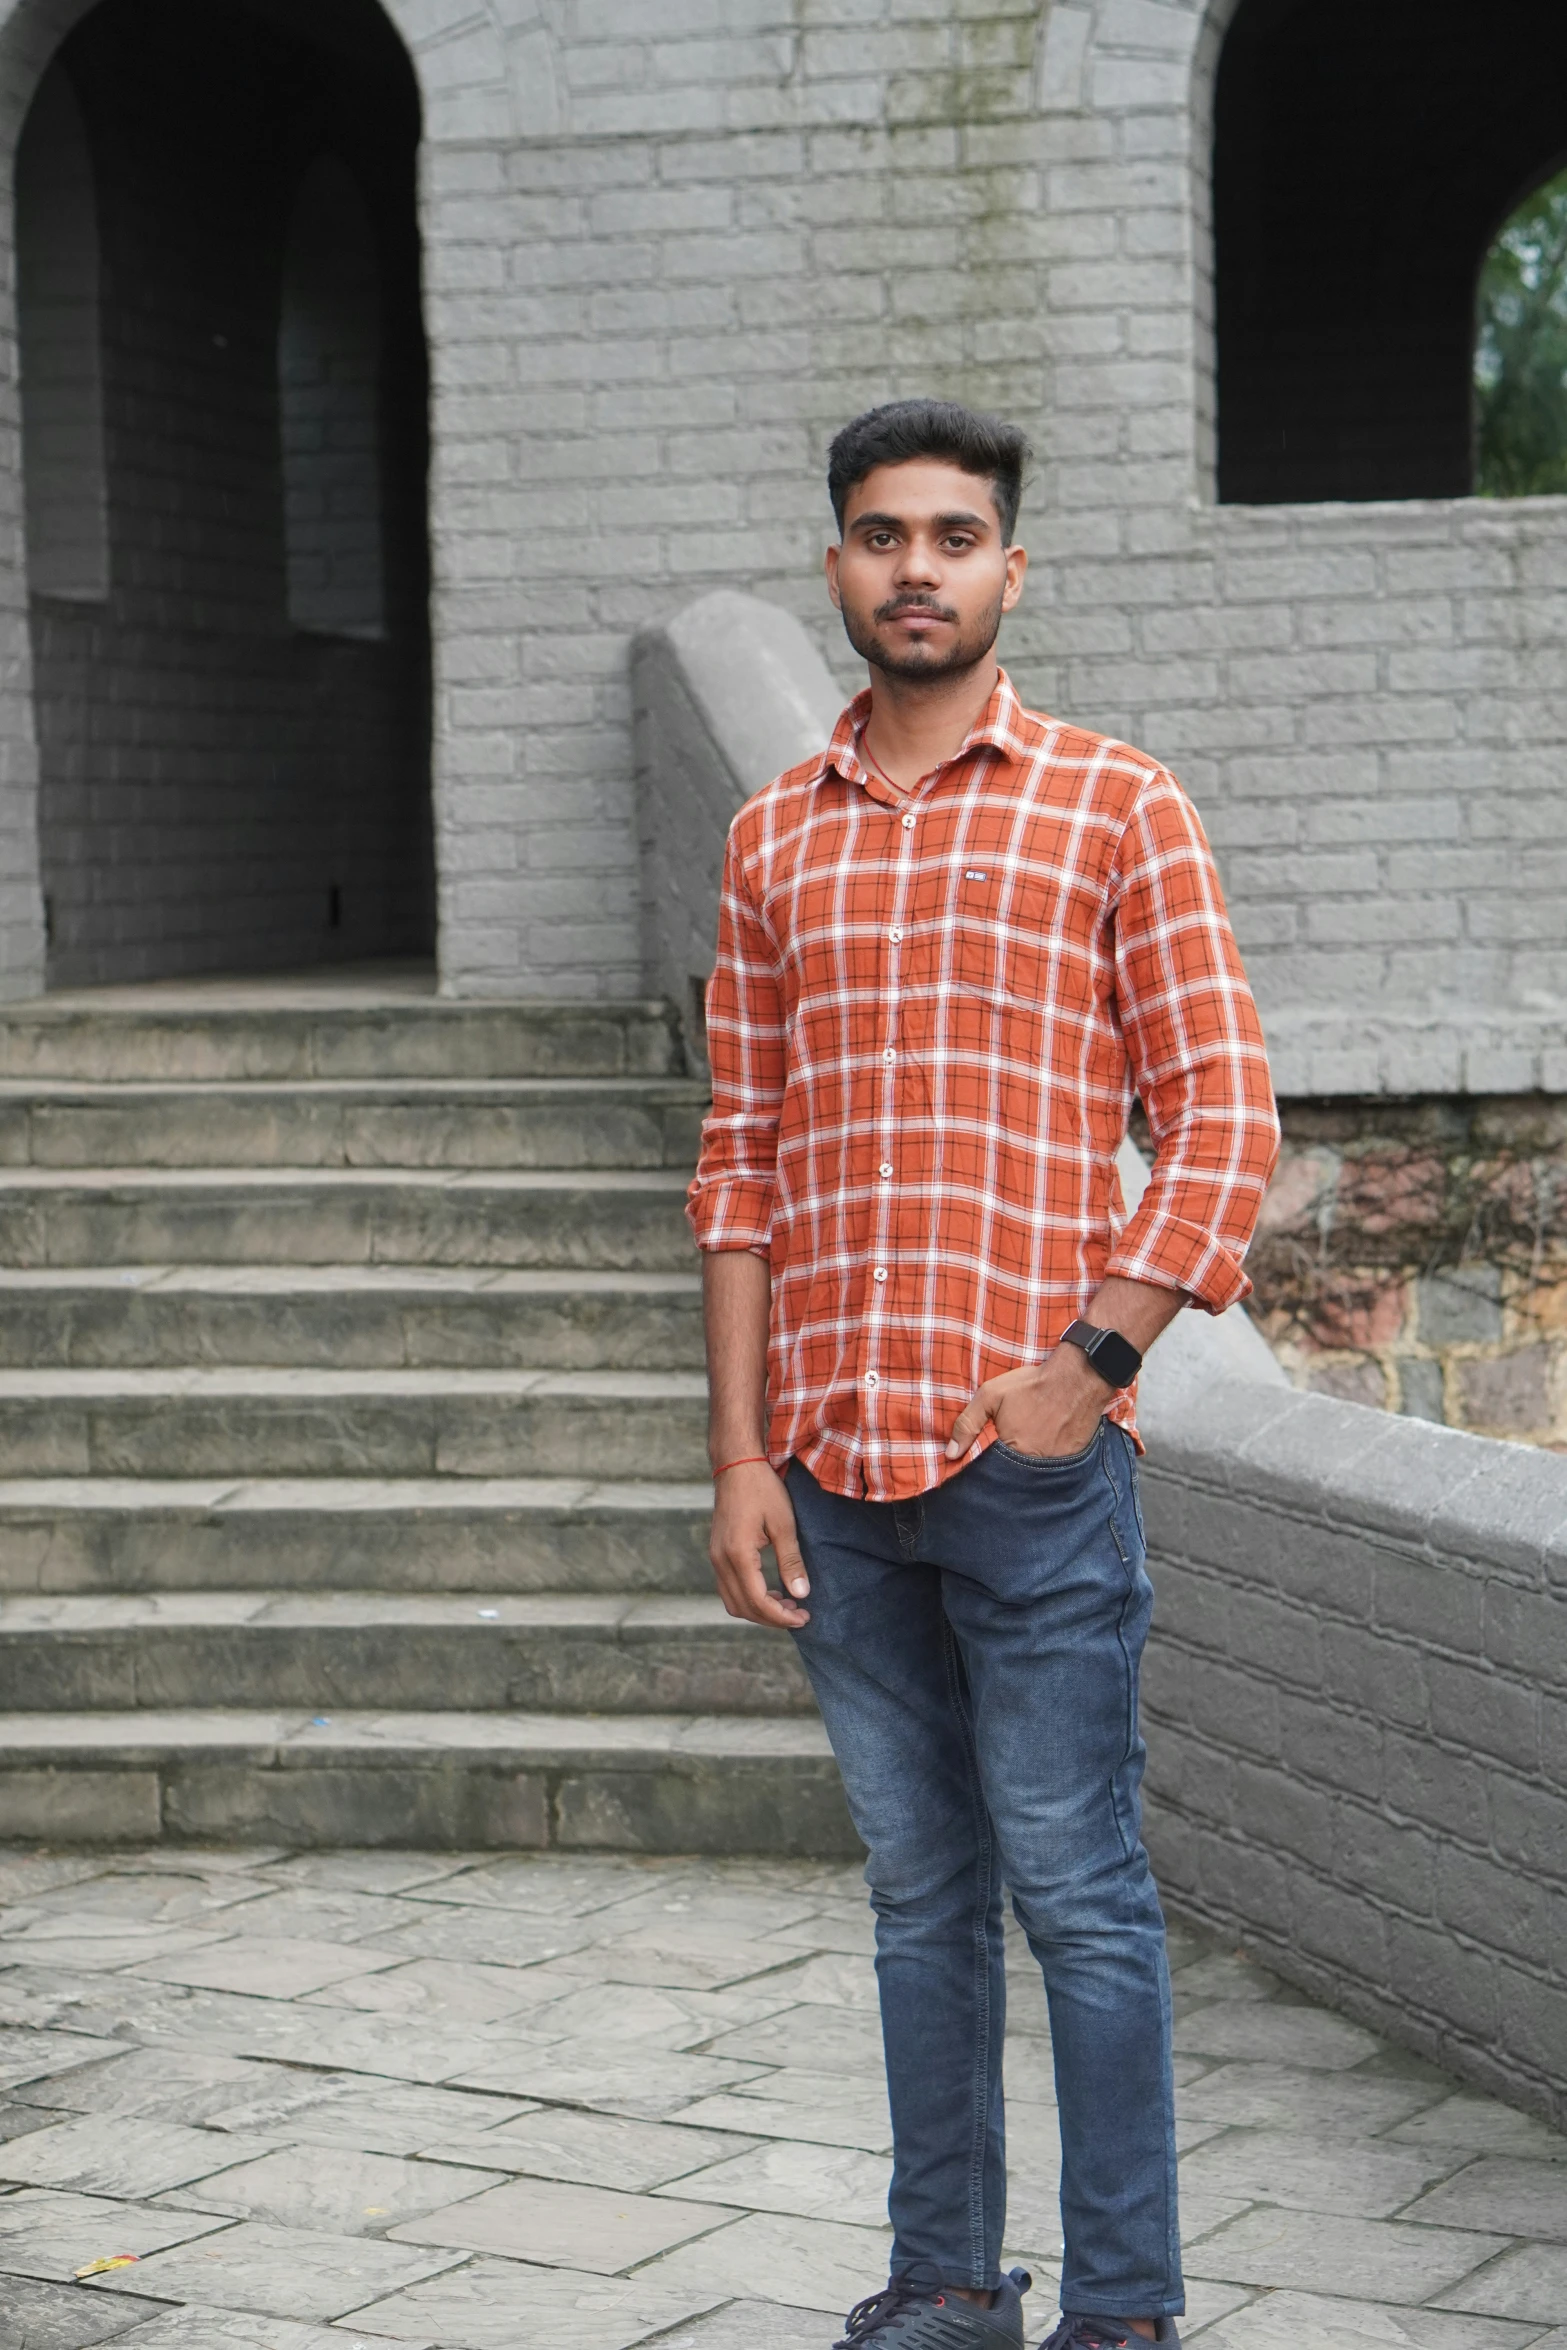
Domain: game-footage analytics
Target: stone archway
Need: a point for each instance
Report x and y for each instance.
(1362, 159)
(232, 732)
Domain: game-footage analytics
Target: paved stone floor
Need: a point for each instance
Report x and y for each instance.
(517, 2104)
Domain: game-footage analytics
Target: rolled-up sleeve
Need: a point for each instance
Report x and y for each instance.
(730, 1201)
(1198, 1058)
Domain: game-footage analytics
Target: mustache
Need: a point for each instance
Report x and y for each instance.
(902, 604)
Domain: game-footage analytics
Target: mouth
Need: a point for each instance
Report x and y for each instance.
(921, 618)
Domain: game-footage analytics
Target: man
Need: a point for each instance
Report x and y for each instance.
(951, 949)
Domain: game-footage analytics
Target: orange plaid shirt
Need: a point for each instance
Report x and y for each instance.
(928, 1019)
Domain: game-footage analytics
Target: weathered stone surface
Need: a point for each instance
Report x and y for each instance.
(1313, 2321)
(394, 1120)
(594, 2149)
(561, 2225)
(479, 1651)
(199, 1039)
(404, 1534)
(803, 2181)
(336, 2190)
(279, 2272)
(1510, 2198)
(53, 2235)
(122, 2156)
(1362, 2258)
(599, 1220)
(35, 2316)
(478, 2306)
(721, 2183)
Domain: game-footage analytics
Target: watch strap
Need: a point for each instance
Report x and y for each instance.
(1115, 1358)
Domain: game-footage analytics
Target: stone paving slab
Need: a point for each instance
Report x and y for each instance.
(497, 2102)
(277, 2272)
(501, 2304)
(49, 2235)
(36, 2316)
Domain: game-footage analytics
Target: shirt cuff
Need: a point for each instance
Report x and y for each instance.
(1169, 1253)
(731, 1212)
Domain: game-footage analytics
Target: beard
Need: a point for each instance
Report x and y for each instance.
(916, 663)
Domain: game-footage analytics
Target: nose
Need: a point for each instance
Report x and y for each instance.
(917, 564)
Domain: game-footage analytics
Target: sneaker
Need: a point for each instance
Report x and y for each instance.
(1107, 2333)
(916, 2316)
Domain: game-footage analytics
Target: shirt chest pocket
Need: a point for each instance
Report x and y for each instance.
(995, 939)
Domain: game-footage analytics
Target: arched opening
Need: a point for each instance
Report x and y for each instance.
(232, 707)
(1365, 152)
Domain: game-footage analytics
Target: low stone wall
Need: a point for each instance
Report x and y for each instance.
(1356, 1710)
(726, 695)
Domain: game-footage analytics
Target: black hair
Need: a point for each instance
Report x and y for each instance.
(902, 429)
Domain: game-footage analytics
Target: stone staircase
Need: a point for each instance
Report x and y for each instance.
(352, 1469)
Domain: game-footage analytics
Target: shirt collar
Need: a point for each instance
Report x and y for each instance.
(999, 727)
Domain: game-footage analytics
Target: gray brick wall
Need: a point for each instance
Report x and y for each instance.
(58, 303)
(667, 250)
(1356, 1711)
(329, 376)
(664, 268)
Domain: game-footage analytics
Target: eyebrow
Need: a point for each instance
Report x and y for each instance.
(897, 521)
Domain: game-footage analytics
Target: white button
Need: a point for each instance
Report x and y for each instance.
(885, 1169)
(871, 1379)
(908, 824)
(881, 1273)
(896, 936)
(889, 1056)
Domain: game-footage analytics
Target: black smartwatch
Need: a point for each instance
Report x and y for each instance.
(1115, 1358)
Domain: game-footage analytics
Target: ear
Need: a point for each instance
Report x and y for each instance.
(1017, 571)
(832, 578)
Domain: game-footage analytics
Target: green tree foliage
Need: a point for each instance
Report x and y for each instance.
(1521, 353)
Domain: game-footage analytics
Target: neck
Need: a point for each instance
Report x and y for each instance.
(916, 723)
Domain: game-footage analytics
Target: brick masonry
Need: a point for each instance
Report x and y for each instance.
(661, 264)
(1356, 1704)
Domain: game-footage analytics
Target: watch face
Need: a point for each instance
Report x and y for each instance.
(1115, 1358)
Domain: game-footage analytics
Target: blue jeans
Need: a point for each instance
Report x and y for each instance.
(975, 1655)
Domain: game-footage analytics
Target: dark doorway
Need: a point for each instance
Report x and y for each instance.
(1365, 153)
(224, 454)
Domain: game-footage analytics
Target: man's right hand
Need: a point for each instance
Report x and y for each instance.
(753, 1509)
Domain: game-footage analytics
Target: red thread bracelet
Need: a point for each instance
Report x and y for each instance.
(746, 1461)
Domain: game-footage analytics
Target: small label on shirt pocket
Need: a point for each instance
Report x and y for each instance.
(995, 953)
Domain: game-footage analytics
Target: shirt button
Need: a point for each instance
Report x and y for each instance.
(896, 936)
(908, 823)
(881, 1273)
(871, 1379)
(889, 1056)
(885, 1169)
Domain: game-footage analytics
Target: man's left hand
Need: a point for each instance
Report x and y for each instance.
(1049, 1409)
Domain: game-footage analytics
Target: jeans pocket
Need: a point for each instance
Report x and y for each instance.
(1043, 1464)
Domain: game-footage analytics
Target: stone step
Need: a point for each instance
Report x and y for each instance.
(354, 1122)
(482, 1652)
(346, 1317)
(329, 1216)
(169, 1035)
(408, 1534)
(277, 1423)
(464, 1782)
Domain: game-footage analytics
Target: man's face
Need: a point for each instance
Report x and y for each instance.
(922, 577)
